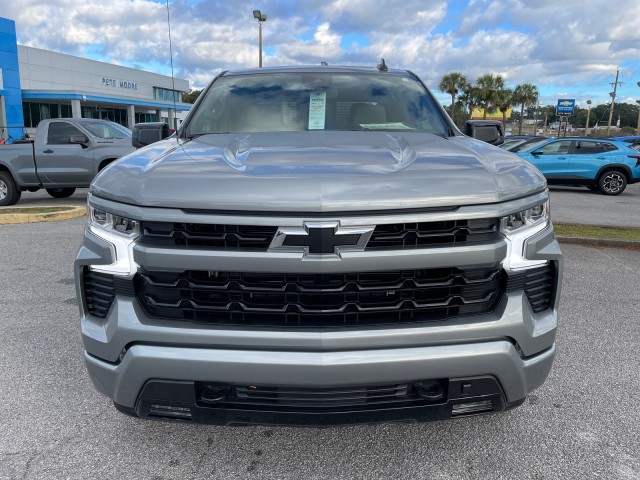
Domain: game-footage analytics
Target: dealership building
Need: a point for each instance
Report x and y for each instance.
(37, 84)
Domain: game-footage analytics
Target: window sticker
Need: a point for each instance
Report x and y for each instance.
(317, 109)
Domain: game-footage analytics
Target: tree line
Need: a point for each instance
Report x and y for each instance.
(488, 92)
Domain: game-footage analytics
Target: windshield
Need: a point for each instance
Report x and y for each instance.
(509, 144)
(316, 101)
(529, 146)
(108, 130)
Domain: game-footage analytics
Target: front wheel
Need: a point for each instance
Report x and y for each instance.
(9, 192)
(612, 182)
(61, 192)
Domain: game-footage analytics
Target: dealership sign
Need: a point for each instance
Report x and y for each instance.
(565, 106)
(112, 82)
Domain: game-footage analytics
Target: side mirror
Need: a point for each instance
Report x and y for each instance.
(537, 152)
(490, 131)
(79, 140)
(147, 133)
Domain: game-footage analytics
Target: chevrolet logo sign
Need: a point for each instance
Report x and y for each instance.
(321, 238)
(565, 103)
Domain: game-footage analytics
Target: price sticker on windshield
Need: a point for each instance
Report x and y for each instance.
(317, 109)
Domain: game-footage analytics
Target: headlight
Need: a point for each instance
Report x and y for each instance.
(519, 227)
(121, 232)
(525, 219)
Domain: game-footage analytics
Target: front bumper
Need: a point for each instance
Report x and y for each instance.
(127, 382)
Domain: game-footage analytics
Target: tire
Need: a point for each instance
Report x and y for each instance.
(612, 182)
(61, 192)
(9, 192)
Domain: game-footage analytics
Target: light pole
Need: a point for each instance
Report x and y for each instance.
(613, 99)
(261, 17)
(586, 128)
(638, 125)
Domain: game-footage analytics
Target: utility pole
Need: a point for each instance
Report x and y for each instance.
(613, 99)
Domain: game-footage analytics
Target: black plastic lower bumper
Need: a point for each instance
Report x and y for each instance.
(180, 401)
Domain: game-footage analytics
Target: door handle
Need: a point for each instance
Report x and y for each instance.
(48, 150)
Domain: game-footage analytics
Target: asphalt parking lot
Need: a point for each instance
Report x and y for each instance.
(583, 423)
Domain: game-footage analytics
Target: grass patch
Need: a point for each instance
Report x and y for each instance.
(591, 231)
(33, 210)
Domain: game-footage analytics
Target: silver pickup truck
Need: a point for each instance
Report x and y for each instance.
(318, 245)
(66, 154)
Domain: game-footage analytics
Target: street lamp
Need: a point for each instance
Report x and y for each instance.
(638, 125)
(586, 128)
(261, 17)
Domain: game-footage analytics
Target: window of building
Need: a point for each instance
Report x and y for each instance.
(145, 117)
(167, 94)
(117, 115)
(33, 112)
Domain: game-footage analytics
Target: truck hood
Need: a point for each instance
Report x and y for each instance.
(317, 172)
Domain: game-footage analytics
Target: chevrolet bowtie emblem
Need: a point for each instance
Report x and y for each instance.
(321, 238)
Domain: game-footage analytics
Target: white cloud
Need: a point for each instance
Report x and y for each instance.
(574, 45)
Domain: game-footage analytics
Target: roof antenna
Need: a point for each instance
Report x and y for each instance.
(173, 83)
(382, 66)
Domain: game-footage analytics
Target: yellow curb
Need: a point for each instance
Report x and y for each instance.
(72, 212)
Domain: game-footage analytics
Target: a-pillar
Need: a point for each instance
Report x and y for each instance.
(131, 116)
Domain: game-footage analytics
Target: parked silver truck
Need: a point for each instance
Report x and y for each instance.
(318, 245)
(66, 154)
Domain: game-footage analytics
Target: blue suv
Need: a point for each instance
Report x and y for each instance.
(600, 164)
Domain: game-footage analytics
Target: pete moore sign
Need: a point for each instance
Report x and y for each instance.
(112, 82)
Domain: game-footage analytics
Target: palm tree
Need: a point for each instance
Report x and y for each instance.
(503, 99)
(469, 97)
(487, 85)
(452, 83)
(525, 94)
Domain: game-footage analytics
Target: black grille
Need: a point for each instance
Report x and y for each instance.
(319, 399)
(425, 234)
(100, 290)
(387, 236)
(320, 300)
(201, 235)
(537, 284)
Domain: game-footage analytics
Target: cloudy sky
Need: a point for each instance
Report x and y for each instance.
(568, 48)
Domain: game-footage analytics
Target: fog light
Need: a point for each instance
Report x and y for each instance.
(429, 390)
(213, 392)
(169, 411)
(472, 407)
